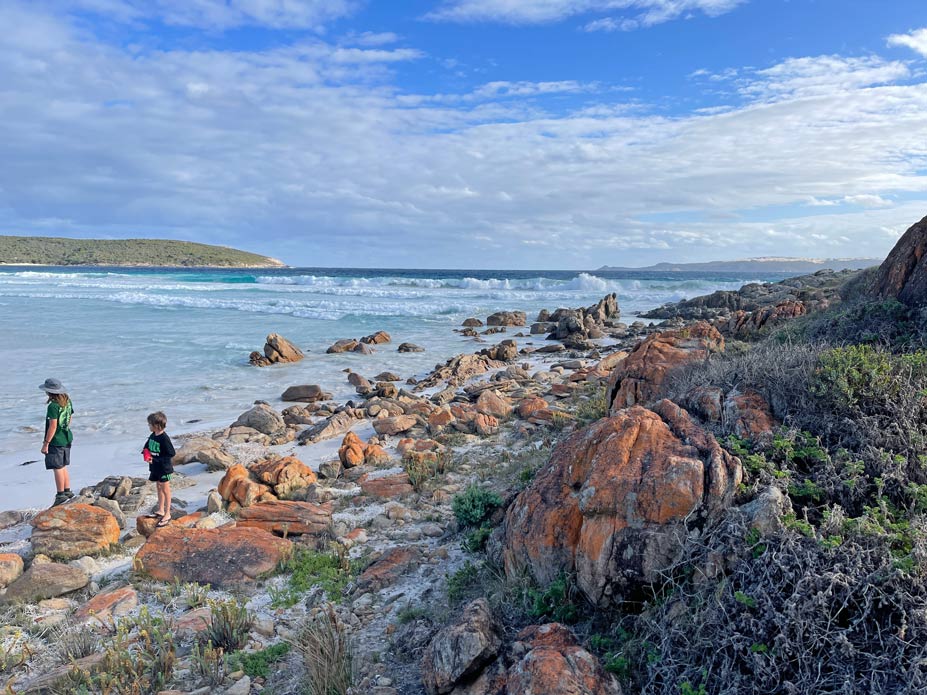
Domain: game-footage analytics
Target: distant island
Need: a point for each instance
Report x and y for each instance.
(761, 265)
(28, 250)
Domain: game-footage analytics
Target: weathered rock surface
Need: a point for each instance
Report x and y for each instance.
(282, 475)
(903, 274)
(507, 318)
(108, 604)
(457, 370)
(387, 569)
(410, 347)
(11, 568)
(73, 530)
(747, 414)
(458, 652)
(351, 452)
(45, 580)
(387, 486)
(343, 345)
(207, 451)
(333, 426)
(744, 325)
(262, 418)
(394, 425)
(639, 378)
(277, 349)
(377, 338)
(553, 663)
(287, 518)
(305, 393)
(616, 499)
(506, 351)
(224, 557)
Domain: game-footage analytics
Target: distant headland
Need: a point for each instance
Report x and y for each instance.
(27, 250)
(761, 265)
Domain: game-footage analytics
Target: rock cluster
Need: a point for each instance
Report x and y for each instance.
(277, 349)
(903, 274)
(264, 481)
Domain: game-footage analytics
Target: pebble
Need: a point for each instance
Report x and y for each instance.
(264, 625)
(241, 687)
(432, 530)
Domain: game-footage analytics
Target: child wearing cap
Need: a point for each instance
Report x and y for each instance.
(58, 437)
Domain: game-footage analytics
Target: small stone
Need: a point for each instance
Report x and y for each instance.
(240, 687)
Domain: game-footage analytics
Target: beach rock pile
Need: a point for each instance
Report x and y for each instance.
(277, 349)
(639, 378)
(207, 451)
(361, 345)
(903, 274)
(616, 499)
(305, 393)
(576, 327)
(354, 452)
(507, 318)
(264, 481)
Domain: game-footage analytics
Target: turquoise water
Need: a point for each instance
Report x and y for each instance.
(127, 342)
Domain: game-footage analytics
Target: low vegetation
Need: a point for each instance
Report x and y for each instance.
(124, 252)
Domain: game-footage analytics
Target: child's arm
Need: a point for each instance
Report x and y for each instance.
(168, 448)
(51, 426)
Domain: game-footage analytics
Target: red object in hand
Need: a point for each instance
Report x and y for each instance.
(146, 455)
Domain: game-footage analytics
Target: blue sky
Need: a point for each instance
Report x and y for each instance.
(469, 133)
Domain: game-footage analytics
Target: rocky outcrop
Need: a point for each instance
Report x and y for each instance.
(378, 338)
(354, 452)
(344, 345)
(506, 351)
(410, 347)
(616, 500)
(458, 652)
(282, 475)
(551, 661)
(73, 530)
(903, 274)
(458, 370)
(223, 558)
(207, 451)
(305, 393)
(262, 418)
(277, 349)
(507, 318)
(747, 414)
(45, 580)
(333, 426)
(639, 378)
(744, 325)
(385, 485)
(394, 425)
(107, 605)
(388, 568)
(287, 518)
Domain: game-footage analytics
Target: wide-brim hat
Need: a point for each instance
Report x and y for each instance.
(52, 386)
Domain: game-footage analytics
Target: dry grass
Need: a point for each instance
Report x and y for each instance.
(327, 654)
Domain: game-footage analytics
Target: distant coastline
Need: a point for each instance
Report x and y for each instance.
(125, 253)
(758, 265)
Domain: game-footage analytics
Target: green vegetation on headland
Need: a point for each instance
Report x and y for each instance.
(125, 252)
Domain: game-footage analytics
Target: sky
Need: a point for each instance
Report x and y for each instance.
(468, 133)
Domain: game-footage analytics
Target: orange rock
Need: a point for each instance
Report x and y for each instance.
(748, 414)
(743, 324)
(491, 403)
(639, 378)
(287, 518)
(553, 663)
(388, 568)
(485, 424)
(375, 455)
(439, 419)
(902, 274)
(230, 480)
(247, 492)
(283, 474)
(223, 557)
(386, 486)
(405, 445)
(615, 500)
(395, 424)
(528, 406)
(72, 530)
(106, 605)
(193, 622)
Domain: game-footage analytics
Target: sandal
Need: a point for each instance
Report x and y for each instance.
(153, 515)
(164, 522)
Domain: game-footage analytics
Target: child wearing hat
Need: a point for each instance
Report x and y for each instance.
(58, 437)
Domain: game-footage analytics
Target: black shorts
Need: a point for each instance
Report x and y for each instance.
(57, 457)
(158, 473)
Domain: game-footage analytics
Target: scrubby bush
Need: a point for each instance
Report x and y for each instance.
(229, 625)
(474, 506)
(327, 654)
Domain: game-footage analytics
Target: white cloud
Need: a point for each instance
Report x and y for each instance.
(216, 14)
(311, 152)
(916, 41)
(641, 12)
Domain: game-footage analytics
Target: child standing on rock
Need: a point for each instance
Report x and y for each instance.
(56, 444)
(158, 452)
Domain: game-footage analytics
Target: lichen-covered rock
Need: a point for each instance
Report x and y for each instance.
(549, 661)
(387, 486)
(387, 569)
(616, 499)
(639, 378)
(395, 424)
(351, 452)
(107, 605)
(459, 651)
(492, 403)
(72, 530)
(223, 557)
(747, 414)
(744, 325)
(283, 475)
(903, 274)
(287, 518)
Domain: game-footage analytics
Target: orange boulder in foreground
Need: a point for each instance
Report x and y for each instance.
(615, 501)
(72, 530)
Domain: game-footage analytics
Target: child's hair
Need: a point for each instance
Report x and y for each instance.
(59, 398)
(158, 420)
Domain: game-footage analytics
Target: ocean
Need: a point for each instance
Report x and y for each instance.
(127, 342)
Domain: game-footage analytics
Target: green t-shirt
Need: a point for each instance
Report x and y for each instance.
(63, 435)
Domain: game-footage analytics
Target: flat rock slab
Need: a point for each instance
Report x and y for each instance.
(287, 517)
(221, 557)
(73, 530)
(43, 581)
(106, 605)
(11, 567)
(387, 570)
(386, 486)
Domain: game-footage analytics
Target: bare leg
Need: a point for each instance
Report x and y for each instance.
(62, 479)
(167, 499)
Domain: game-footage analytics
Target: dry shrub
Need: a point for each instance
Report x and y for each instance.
(327, 654)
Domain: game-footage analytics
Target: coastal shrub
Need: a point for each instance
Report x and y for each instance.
(75, 643)
(327, 572)
(422, 467)
(257, 664)
(558, 602)
(14, 651)
(590, 404)
(229, 625)
(327, 654)
(209, 664)
(460, 583)
(474, 506)
(886, 323)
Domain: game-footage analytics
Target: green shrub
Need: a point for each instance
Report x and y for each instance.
(329, 571)
(556, 602)
(257, 664)
(459, 583)
(229, 625)
(474, 506)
